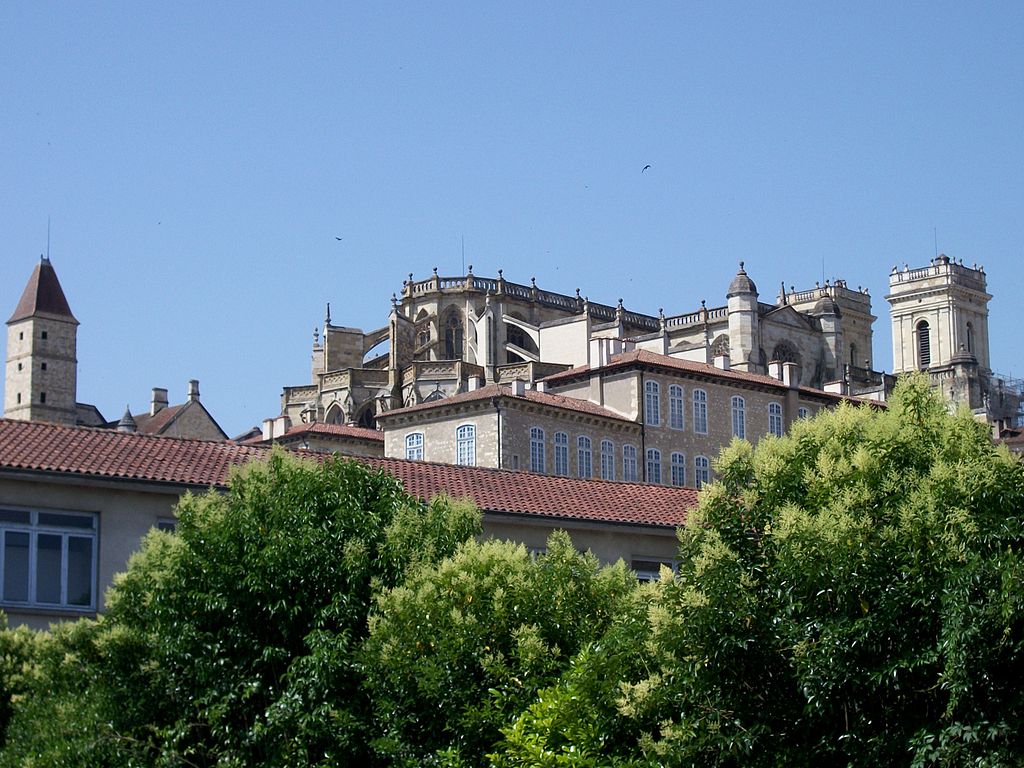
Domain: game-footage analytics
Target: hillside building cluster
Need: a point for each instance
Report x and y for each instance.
(546, 409)
(475, 370)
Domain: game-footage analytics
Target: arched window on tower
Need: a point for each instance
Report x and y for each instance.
(853, 355)
(970, 338)
(453, 338)
(924, 345)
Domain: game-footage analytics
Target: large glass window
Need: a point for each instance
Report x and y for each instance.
(653, 465)
(652, 403)
(414, 446)
(701, 471)
(700, 411)
(775, 419)
(739, 419)
(49, 559)
(629, 463)
(465, 445)
(676, 409)
(561, 454)
(538, 461)
(584, 457)
(678, 462)
(607, 460)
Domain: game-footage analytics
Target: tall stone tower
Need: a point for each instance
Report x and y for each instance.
(41, 378)
(938, 312)
(940, 325)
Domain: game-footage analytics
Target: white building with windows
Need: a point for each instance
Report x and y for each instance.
(445, 331)
(647, 417)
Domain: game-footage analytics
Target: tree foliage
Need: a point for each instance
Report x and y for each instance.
(849, 594)
(462, 646)
(233, 641)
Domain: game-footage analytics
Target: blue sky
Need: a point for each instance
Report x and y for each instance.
(198, 160)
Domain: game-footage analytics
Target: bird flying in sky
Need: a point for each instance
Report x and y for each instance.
(645, 168)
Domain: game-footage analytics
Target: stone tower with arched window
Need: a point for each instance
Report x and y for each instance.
(939, 312)
(940, 326)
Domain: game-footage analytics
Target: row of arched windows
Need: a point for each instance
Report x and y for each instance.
(699, 399)
(676, 407)
(607, 465)
(465, 445)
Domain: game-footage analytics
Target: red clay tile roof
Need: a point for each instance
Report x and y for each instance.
(335, 430)
(504, 390)
(155, 424)
(568, 498)
(103, 453)
(644, 357)
(106, 453)
(42, 294)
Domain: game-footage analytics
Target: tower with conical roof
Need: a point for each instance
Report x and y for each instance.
(41, 377)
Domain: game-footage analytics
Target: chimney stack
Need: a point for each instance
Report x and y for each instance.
(159, 401)
(193, 390)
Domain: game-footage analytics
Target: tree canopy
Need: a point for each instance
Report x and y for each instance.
(848, 594)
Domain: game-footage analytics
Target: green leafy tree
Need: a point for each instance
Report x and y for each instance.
(577, 723)
(846, 598)
(462, 646)
(849, 595)
(233, 642)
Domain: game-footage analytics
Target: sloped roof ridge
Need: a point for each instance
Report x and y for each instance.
(106, 430)
(555, 400)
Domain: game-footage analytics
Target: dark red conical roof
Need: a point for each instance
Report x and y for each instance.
(43, 295)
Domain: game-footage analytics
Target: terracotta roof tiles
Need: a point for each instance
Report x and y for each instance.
(154, 424)
(336, 430)
(504, 390)
(106, 454)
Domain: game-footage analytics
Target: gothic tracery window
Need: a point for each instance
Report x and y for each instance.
(453, 337)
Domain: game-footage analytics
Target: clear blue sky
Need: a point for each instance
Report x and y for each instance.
(198, 160)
